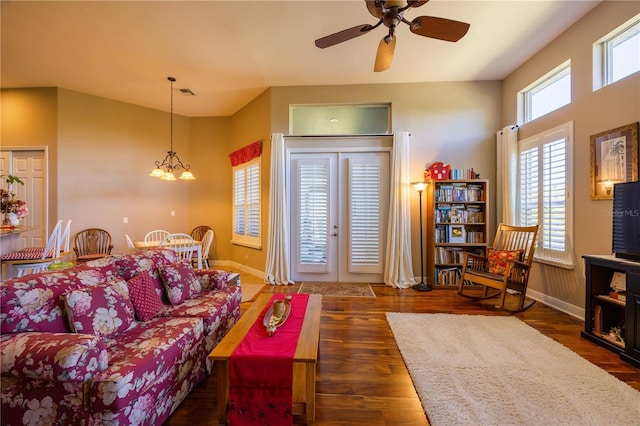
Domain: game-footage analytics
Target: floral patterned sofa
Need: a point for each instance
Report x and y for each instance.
(117, 341)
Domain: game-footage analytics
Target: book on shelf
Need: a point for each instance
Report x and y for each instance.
(448, 276)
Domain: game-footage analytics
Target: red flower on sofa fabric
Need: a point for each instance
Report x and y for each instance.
(497, 259)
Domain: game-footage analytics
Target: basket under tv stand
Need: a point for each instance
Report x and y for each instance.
(605, 311)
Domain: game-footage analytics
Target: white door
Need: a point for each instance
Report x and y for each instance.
(339, 204)
(30, 167)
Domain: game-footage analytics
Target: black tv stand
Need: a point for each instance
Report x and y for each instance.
(603, 312)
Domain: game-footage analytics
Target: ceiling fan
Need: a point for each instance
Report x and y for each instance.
(390, 13)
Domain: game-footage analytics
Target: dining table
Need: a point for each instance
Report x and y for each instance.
(142, 245)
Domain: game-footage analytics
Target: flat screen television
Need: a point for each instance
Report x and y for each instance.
(626, 220)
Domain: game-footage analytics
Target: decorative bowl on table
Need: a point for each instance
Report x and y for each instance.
(277, 315)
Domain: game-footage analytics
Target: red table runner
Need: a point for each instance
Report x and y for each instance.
(261, 370)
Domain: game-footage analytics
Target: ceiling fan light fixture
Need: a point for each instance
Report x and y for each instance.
(391, 14)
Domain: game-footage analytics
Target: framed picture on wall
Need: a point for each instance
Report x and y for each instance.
(614, 159)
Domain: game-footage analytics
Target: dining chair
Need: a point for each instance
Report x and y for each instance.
(207, 239)
(65, 240)
(198, 232)
(92, 243)
(182, 243)
(37, 259)
(156, 235)
(130, 244)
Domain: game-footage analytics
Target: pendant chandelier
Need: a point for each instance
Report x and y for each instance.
(164, 170)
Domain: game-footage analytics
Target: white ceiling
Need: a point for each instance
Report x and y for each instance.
(228, 52)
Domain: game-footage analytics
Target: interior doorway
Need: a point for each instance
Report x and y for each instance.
(30, 165)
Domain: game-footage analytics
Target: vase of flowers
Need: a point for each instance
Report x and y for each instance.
(12, 208)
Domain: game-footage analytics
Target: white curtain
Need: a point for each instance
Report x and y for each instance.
(507, 174)
(277, 267)
(398, 264)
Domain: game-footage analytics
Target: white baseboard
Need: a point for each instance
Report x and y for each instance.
(230, 265)
(560, 305)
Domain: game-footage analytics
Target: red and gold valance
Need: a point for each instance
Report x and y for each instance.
(248, 153)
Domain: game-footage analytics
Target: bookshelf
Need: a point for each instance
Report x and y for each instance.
(457, 221)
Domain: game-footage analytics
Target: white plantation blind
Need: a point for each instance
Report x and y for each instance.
(313, 213)
(246, 203)
(365, 203)
(544, 193)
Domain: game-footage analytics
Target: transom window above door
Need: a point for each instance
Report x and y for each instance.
(322, 120)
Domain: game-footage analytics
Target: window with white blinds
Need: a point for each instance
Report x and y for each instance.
(545, 188)
(246, 204)
(365, 204)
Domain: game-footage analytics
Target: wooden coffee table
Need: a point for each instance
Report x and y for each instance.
(304, 360)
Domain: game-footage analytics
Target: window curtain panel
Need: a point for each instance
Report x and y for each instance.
(507, 174)
(246, 154)
(398, 262)
(277, 266)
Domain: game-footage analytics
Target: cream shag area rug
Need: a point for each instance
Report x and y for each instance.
(338, 289)
(491, 370)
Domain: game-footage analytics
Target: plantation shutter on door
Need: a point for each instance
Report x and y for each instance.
(529, 187)
(313, 214)
(365, 204)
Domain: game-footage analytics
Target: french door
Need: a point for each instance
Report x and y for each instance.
(338, 210)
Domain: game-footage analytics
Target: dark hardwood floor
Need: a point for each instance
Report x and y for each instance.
(361, 377)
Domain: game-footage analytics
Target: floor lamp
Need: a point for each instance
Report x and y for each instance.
(421, 286)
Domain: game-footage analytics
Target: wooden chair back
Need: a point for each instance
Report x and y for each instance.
(92, 241)
(517, 238)
(198, 232)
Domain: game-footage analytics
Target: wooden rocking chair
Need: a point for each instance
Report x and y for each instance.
(505, 268)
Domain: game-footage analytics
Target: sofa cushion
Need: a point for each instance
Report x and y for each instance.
(497, 259)
(104, 311)
(150, 359)
(34, 303)
(67, 357)
(142, 292)
(180, 281)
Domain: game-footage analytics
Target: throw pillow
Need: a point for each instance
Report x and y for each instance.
(180, 281)
(146, 301)
(497, 259)
(104, 310)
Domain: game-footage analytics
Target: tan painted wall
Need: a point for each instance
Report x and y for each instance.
(450, 122)
(29, 117)
(250, 124)
(592, 112)
(210, 193)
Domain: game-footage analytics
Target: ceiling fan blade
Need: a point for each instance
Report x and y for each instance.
(440, 28)
(343, 35)
(384, 55)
